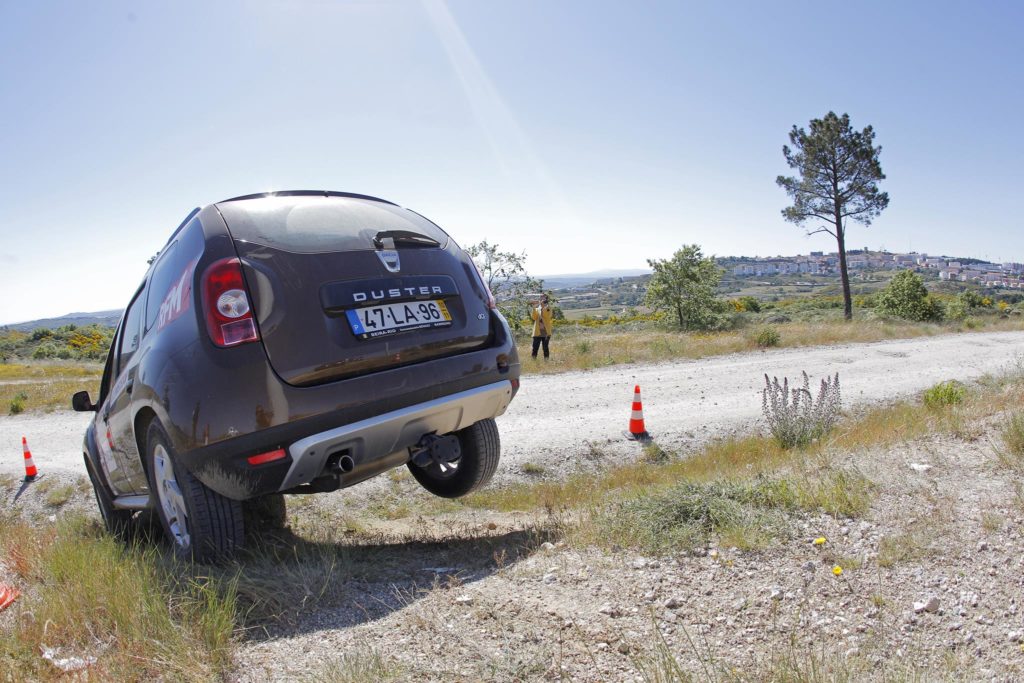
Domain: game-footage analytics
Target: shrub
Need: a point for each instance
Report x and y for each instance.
(906, 297)
(18, 403)
(750, 304)
(794, 416)
(767, 337)
(956, 309)
(945, 394)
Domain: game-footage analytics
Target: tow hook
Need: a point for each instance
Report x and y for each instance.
(432, 448)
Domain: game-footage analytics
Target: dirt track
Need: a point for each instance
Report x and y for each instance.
(556, 419)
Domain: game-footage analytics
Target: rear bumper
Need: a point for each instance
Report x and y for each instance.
(381, 442)
(376, 440)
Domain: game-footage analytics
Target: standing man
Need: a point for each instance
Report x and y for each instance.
(542, 320)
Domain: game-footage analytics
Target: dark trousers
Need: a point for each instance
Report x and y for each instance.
(537, 341)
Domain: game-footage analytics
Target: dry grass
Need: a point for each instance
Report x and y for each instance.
(1011, 451)
(141, 617)
(47, 386)
(581, 348)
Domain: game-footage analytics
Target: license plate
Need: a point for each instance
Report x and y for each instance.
(380, 321)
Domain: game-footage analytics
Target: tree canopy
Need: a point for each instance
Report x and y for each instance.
(506, 277)
(685, 286)
(907, 297)
(837, 180)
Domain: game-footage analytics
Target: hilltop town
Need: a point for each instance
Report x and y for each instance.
(803, 274)
(1005, 275)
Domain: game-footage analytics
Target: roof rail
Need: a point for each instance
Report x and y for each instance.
(307, 193)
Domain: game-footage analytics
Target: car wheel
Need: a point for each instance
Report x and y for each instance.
(201, 524)
(481, 450)
(265, 513)
(116, 521)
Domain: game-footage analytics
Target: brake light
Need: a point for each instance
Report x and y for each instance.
(229, 319)
(491, 303)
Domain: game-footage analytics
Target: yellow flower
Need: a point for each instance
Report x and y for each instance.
(820, 540)
(837, 570)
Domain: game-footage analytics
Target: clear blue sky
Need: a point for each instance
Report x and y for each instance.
(589, 134)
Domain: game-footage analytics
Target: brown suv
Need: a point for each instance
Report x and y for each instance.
(296, 342)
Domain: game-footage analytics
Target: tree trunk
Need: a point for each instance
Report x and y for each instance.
(679, 313)
(843, 273)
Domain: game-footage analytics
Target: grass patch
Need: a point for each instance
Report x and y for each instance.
(45, 386)
(577, 347)
(904, 547)
(944, 394)
(532, 468)
(1011, 452)
(55, 493)
(141, 617)
(367, 666)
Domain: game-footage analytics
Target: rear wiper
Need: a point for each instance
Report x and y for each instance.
(403, 238)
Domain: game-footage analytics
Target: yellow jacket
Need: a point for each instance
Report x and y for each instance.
(541, 316)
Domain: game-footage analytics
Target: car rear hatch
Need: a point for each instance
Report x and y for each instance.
(345, 285)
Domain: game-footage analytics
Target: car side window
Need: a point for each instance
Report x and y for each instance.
(130, 333)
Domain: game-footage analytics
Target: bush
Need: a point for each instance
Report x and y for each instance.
(956, 309)
(18, 403)
(945, 394)
(795, 418)
(906, 297)
(767, 337)
(750, 304)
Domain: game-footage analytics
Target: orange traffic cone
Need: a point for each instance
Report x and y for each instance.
(8, 594)
(637, 431)
(30, 467)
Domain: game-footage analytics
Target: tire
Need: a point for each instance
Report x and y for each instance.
(200, 524)
(265, 513)
(481, 450)
(117, 522)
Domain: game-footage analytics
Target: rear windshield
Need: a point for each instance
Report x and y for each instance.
(315, 224)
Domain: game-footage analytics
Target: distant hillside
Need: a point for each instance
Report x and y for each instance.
(103, 318)
(579, 279)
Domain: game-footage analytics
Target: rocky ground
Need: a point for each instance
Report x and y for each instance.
(946, 523)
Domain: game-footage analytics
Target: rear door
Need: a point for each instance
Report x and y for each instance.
(343, 286)
(118, 437)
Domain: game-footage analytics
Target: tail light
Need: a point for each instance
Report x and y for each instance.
(491, 303)
(229, 319)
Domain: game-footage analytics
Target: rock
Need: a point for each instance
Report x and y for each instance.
(649, 596)
(609, 609)
(639, 563)
(1015, 636)
(931, 604)
(920, 467)
(547, 546)
(623, 648)
(464, 600)
(808, 566)
(491, 526)
(982, 546)
(776, 593)
(969, 598)
(550, 578)
(673, 603)
(602, 646)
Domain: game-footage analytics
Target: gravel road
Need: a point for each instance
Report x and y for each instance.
(556, 419)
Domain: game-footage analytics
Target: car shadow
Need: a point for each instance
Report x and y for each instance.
(287, 584)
